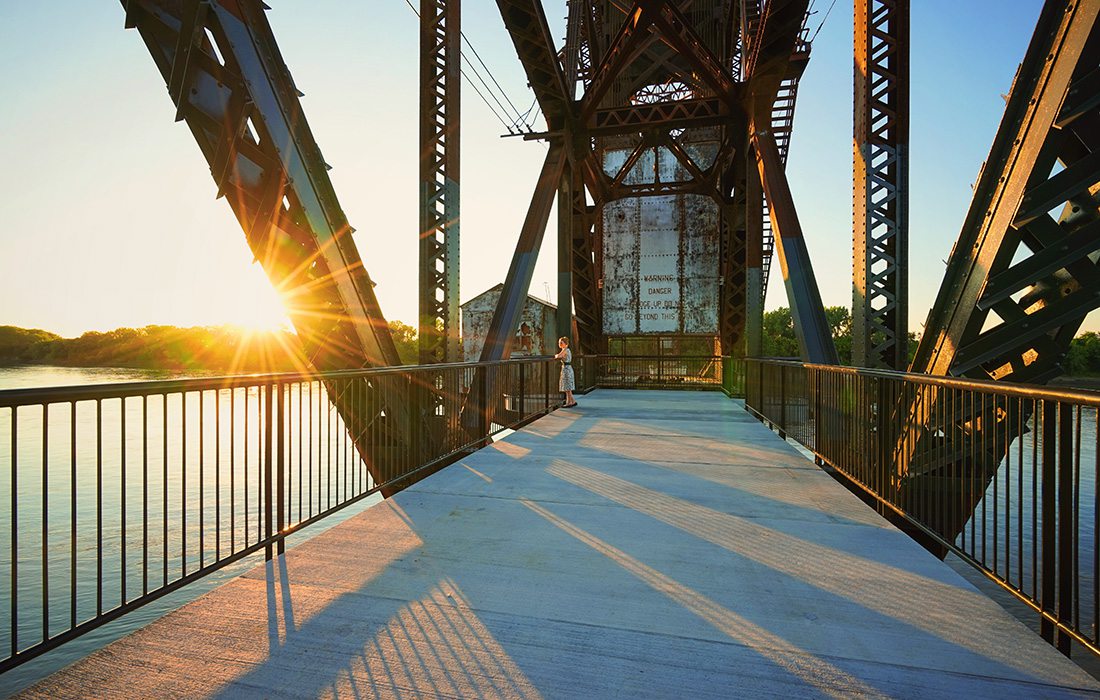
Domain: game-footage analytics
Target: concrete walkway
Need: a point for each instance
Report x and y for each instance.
(645, 544)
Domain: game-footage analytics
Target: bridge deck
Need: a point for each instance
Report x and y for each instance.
(645, 544)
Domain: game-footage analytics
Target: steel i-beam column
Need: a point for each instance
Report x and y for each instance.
(566, 221)
(754, 261)
(439, 192)
(880, 185)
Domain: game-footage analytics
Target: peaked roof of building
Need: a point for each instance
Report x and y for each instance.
(500, 287)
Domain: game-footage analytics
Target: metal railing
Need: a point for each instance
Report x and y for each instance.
(716, 373)
(1003, 476)
(115, 495)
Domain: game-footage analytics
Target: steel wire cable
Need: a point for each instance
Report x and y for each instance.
(519, 116)
(516, 117)
(818, 31)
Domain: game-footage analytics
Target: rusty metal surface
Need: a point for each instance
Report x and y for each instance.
(660, 253)
(440, 110)
(880, 186)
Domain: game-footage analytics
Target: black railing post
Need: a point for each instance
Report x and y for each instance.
(522, 390)
(546, 381)
(268, 406)
(783, 401)
(486, 411)
(422, 403)
(281, 464)
(1047, 542)
(1067, 526)
(883, 441)
(815, 387)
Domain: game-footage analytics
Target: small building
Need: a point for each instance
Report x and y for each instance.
(534, 335)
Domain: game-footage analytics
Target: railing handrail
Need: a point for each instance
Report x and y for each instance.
(113, 390)
(1087, 397)
(964, 464)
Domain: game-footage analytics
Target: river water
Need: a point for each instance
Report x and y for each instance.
(162, 555)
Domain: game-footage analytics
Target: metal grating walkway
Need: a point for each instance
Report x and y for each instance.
(645, 544)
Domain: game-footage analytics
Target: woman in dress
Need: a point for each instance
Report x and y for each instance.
(566, 383)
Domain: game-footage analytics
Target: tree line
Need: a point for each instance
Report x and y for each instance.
(227, 349)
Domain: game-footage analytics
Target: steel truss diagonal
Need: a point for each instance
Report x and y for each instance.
(228, 81)
(439, 177)
(814, 339)
(775, 56)
(880, 187)
(526, 23)
(1020, 274)
(1023, 272)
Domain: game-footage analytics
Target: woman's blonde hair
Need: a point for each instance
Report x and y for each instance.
(563, 339)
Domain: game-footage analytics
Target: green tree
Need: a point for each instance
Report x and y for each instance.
(1083, 358)
(20, 345)
(778, 337)
(840, 326)
(404, 337)
(780, 340)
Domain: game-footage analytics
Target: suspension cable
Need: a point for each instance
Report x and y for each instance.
(822, 22)
(517, 119)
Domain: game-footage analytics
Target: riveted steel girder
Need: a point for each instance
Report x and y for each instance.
(681, 114)
(773, 53)
(669, 72)
(228, 81)
(814, 339)
(880, 186)
(526, 23)
(1022, 275)
(1023, 253)
(440, 82)
(498, 338)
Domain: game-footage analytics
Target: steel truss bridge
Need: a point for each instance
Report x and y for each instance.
(655, 103)
(652, 104)
(648, 105)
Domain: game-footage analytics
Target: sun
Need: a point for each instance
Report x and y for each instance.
(255, 308)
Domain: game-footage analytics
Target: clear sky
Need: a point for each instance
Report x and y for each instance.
(108, 205)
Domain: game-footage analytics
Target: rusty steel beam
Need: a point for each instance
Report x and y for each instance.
(440, 110)
(227, 78)
(1022, 275)
(566, 221)
(814, 338)
(630, 40)
(498, 338)
(880, 186)
(587, 298)
(755, 278)
(526, 23)
(228, 81)
(1051, 117)
(681, 114)
(678, 32)
(771, 48)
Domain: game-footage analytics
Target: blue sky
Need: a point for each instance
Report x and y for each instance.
(109, 209)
